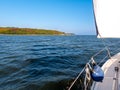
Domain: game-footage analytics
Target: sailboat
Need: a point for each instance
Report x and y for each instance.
(107, 22)
(107, 18)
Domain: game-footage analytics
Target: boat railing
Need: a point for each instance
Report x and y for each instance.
(89, 64)
(107, 55)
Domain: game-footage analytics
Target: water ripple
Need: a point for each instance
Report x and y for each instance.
(44, 62)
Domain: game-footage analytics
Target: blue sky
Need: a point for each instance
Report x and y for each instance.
(75, 16)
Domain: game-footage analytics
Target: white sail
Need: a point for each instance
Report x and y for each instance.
(107, 18)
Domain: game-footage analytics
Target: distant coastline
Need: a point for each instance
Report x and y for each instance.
(29, 31)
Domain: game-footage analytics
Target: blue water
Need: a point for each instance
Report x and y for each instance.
(45, 62)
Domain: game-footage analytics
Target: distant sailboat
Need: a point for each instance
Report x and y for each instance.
(107, 21)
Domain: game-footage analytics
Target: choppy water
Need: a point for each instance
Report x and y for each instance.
(44, 62)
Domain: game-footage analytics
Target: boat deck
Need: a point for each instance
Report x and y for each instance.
(111, 79)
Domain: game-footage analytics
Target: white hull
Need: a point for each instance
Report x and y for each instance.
(111, 79)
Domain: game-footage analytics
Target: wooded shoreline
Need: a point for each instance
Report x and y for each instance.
(28, 31)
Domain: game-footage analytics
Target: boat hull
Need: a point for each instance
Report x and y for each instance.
(111, 75)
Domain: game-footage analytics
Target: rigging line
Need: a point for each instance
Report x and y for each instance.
(98, 33)
(92, 58)
(76, 79)
(102, 60)
(78, 76)
(116, 50)
(84, 68)
(114, 44)
(98, 53)
(104, 43)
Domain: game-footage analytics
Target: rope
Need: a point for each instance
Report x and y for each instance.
(103, 41)
(85, 83)
(76, 79)
(87, 76)
(92, 59)
(78, 76)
